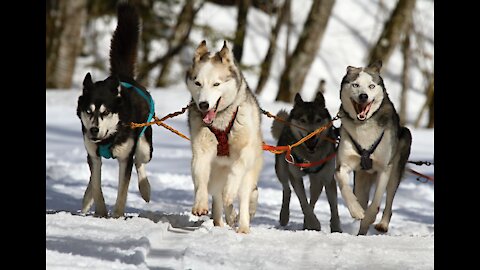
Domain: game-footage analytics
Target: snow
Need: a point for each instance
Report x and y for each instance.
(163, 234)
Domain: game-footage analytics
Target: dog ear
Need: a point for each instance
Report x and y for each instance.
(113, 84)
(298, 98)
(225, 54)
(87, 82)
(320, 99)
(375, 66)
(200, 51)
(351, 69)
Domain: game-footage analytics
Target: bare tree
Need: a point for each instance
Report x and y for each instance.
(427, 105)
(178, 40)
(392, 31)
(405, 79)
(243, 6)
(64, 21)
(267, 61)
(299, 62)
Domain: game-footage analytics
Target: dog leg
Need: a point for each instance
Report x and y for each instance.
(372, 210)
(310, 221)
(248, 195)
(215, 187)
(331, 191)
(362, 182)
(316, 188)
(95, 164)
(281, 170)
(201, 164)
(217, 209)
(125, 172)
(342, 178)
(392, 187)
(142, 156)
(87, 198)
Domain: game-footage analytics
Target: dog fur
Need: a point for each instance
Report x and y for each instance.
(105, 109)
(218, 88)
(311, 116)
(369, 117)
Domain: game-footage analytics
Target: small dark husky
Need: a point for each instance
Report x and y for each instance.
(105, 109)
(310, 116)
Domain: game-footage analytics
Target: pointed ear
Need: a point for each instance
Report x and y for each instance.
(298, 99)
(87, 82)
(113, 84)
(225, 53)
(201, 50)
(320, 99)
(351, 69)
(375, 66)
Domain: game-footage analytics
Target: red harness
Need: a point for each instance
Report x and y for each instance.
(222, 137)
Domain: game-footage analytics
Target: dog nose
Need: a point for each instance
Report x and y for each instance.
(203, 105)
(94, 130)
(363, 98)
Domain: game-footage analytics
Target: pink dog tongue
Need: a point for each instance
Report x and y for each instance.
(209, 116)
(363, 111)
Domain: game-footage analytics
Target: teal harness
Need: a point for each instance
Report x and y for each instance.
(104, 149)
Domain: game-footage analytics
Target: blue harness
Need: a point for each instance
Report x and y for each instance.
(104, 149)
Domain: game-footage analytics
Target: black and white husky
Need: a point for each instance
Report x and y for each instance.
(316, 156)
(373, 145)
(105, 109)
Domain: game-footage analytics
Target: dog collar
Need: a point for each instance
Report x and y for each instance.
(365, 160)
(222, 137)
(307, 170)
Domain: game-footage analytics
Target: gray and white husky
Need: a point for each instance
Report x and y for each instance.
(373, 145)
(226, 138)
(310, 116)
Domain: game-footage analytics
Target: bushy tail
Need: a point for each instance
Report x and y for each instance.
(277, 126)
(123, 48)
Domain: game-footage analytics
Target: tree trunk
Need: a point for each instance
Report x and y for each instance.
(428, 104)
(178, 40)
(393, 29)
(405, 79)
(299, 62)
(65, 20)
(267, 61)
(243, 6)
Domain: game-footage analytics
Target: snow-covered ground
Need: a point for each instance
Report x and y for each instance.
(164, 235)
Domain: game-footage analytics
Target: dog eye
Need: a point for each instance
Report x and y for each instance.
(216, 84)
(318, 120)
(371, 86)
(106, 112)
(89, 111)
(355, 85)
(197, 83)
(303, 121)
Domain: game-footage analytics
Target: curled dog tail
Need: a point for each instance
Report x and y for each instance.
(123, 47)
(277, 126)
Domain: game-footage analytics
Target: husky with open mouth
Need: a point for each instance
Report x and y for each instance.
(373, 145)
(226, 138)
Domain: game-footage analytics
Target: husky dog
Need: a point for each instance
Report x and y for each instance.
(224, 125)
(373, 145)
(310, 116)
(105, 109)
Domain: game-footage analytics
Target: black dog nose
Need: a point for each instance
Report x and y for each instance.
(94, 130)
(203, 105)
(363, 98)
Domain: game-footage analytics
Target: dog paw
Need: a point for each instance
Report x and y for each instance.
(311, 223)
(99, 213)
(284, 217)
(382, 227)
(144, 187)
(117, 214)
(335, 228)
(200, 210)
(356, 210)
(243, 229)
